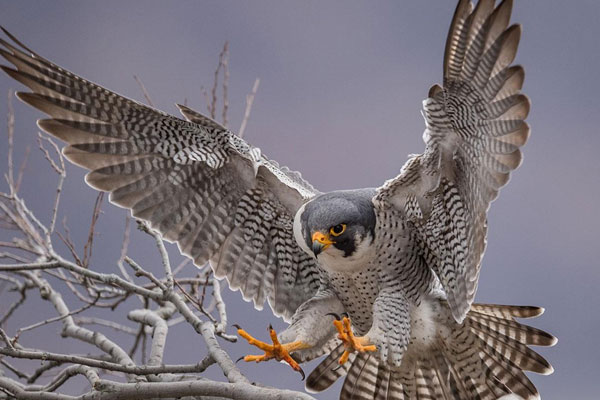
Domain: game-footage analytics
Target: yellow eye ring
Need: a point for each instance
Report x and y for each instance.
(337, 230)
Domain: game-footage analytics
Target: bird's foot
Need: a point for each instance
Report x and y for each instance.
(277, 351)
(351, 343)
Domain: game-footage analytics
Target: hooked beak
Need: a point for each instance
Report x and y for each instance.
(320, 242)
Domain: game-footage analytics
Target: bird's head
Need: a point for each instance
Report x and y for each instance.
(337, 228)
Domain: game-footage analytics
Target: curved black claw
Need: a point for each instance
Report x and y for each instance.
(239, 359)
(302, 373)
(334, 315)
(345, 314)
(237, 326)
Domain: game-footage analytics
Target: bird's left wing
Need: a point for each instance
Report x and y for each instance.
(474, 129)
(197, 183)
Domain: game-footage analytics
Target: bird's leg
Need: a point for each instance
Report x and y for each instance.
(277, 351)
(351, 343)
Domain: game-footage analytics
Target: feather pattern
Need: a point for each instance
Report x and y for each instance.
(474, 129)
(197, 183)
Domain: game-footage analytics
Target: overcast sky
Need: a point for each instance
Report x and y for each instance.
(341, 89)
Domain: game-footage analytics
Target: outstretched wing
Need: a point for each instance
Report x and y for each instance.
(474, 129)
(196, 183)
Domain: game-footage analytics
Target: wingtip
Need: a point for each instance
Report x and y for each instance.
(17, 41)
(549, 370)
(25, 97)
(541, 311)
(506, 3)
(553, 342)
(517, 27)
(8, 70)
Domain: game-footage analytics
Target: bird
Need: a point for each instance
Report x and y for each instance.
(379, 281)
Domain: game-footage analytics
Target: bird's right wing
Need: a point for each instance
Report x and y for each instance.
(197, 183)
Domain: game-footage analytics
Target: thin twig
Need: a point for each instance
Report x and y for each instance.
(138, 336)
(139, 271)
(213, 104)
(14, 257)
(66, 239)
(249, 102)
(22, 167)
(58, 318)
(10, 117)
(47, 366)
(144, 91)
(14, 370)
(124, 248)
(181, 266)
(6, 339)
(106, 323)
(61, 171)
(58, 169)
(87, 249)
(225, 62)
(13, 307)
(204, 286)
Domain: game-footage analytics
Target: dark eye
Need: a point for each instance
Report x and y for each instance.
(337, 230)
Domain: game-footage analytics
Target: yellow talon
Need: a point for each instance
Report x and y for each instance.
(277, 351)
(351, 343)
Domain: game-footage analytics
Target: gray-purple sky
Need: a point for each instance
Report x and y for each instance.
(341, 89)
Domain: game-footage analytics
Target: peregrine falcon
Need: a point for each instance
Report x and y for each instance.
(380, 280)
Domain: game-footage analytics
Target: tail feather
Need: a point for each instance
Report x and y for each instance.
(328, 371)
(511, 329)
(428, 382)
(360, 383)
(383, 387)
(515, 351)
(507, 312)
(508, 374)
(482, 358)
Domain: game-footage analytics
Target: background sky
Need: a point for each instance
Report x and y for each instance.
(339, 100)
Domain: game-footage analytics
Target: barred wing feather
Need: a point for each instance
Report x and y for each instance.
(474, 129)
(197, 183)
